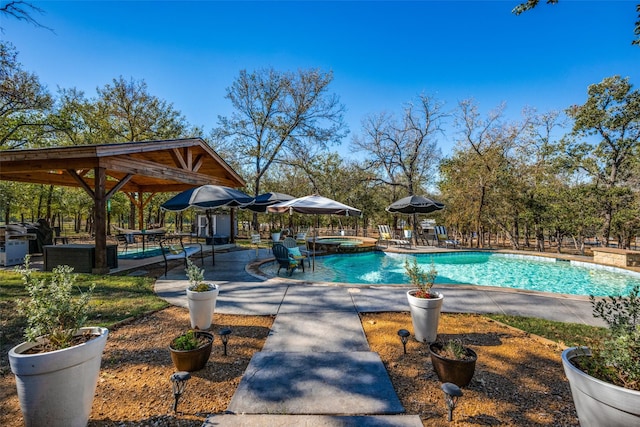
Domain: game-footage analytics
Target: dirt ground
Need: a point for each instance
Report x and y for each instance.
(518, 381)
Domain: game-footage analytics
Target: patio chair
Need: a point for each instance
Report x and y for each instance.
(301, 238)
(177, 250)
(443, 237)
(255, 240)
(122, 239)
(385, 235)
(281, 253)
(296, 251)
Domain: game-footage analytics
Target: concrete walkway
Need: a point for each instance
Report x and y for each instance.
(315, 368)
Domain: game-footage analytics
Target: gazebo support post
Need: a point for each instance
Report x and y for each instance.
(99, 198)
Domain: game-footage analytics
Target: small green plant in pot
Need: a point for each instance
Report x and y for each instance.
(201, 297)
(425, 305)
(190, 351)
(421, 279)
(196, 278)
(605, 379)
(453, 362)
(57, 368)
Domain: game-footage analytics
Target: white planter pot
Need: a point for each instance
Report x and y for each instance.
(599, 403)
(275, 237)
(57, 388)
(201, 307)
(425, 315)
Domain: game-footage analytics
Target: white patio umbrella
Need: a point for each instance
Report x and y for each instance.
(317, 205)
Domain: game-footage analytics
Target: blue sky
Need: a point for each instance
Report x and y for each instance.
(382, 54)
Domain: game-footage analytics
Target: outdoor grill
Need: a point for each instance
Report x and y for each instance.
(14, 244)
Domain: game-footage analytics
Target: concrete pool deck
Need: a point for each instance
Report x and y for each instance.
(315, 367)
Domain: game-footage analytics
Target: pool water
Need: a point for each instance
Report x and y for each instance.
(140, 255)
(477, 268)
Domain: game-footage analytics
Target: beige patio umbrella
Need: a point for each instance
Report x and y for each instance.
(317, 205)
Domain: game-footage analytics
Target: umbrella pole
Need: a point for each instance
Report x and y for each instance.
(213, 246)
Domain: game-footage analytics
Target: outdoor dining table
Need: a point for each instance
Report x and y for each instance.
(145, 234)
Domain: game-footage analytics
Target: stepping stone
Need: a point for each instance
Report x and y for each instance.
(233, 420)
(330, 331)
(316, 383)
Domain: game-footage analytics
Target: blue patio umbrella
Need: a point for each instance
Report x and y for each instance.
(261, 202)
(206, 197)
(414, 205)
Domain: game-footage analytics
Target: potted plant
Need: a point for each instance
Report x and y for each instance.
(275, 234)
(453, 362)
(201, 297)
(191, 350)
(605, 380)
(57, 368)
(424, 304)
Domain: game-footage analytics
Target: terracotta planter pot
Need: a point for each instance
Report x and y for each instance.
(201, 307)
(599, 403)
(425, 315)
(458, 372)
(193, 360)
(57, 388)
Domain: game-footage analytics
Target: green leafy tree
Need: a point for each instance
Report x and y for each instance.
(530, 4)
(24, 102)
(611, 119)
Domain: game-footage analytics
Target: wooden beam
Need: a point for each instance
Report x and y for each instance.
(83, 184)
(118, 186)
(151, 169)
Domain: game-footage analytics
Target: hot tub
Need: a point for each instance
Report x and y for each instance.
(335, 244)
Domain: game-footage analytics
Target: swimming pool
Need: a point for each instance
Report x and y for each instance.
(477, 268)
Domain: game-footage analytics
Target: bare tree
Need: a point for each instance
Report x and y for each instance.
(278, 115)
(404, 154)
(22, 11)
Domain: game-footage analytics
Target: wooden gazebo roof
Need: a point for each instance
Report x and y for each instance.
(147, 167)
(133, 167)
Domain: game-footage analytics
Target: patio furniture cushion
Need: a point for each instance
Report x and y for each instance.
(295, 252)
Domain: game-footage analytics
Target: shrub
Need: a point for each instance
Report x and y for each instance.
(52, 310)
(615, 360)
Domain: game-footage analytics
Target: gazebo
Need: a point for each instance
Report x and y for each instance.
(137, 168)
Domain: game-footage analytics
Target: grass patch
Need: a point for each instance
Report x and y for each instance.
(115, 298)
(569, 334)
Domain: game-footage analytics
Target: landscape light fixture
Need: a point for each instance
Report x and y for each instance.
(224, 336)
(178, 383)
(404, 337)
(451, 395)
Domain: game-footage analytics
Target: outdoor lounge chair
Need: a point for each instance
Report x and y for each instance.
(387, 236)
(443, 237)
(281, 253)
(300, 254)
